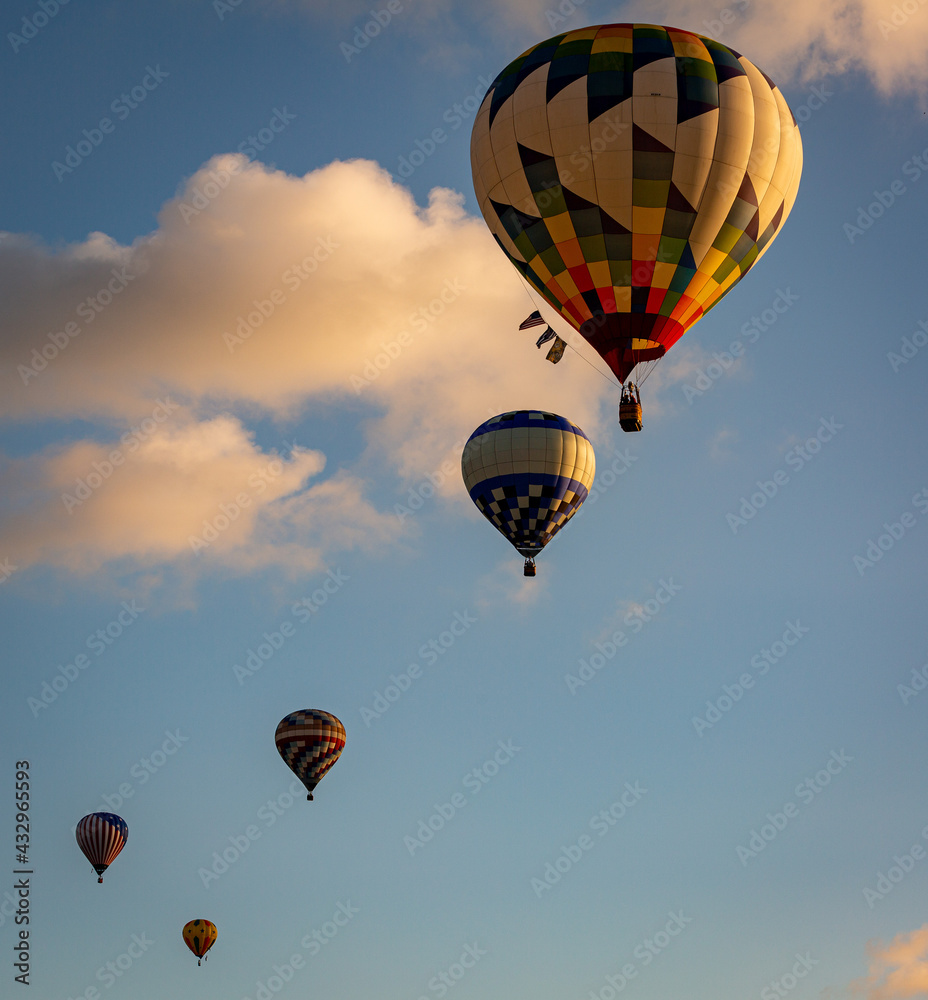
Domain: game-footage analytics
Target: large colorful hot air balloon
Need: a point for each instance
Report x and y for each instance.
(633, 174)
(528, 471)
(310, 741)
(101, 836)
(200, 936)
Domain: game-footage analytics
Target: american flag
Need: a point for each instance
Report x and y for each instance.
(533, 320)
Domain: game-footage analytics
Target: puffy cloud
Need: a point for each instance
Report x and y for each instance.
(791, 40)
(898, 970)
(260, 295)
(794, 40)
(180, 491)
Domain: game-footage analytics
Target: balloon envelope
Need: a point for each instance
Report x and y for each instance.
(633, 174)
(528, 471)
(101, 836)
(200, 936)
(310, 741)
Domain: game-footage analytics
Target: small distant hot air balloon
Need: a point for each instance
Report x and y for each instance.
(200, 936)
(633, 174)
(528, 471)
(310, 741)
(101, 836)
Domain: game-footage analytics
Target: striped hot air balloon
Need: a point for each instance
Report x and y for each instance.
(200, 936)
(101, 836)
(528, 471)
(310, 741)
(633, 174)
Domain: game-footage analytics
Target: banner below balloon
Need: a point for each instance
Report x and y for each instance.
(101, 836)
(200, 936)
(310, 741)
(528, 472)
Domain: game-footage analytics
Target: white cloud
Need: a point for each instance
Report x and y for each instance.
(791, 40)
(261, 295)
(898, 970)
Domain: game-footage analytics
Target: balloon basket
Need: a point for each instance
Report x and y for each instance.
(630, 408)
(630, 416)
(529, 568)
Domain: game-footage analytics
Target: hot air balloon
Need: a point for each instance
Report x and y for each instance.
(101, 836)
(633, 173)
(528, 471)
(310, 741)
(200, 936)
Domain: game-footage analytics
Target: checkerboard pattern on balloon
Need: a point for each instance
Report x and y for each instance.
(528, 472)
(310, 741)
(626, 171)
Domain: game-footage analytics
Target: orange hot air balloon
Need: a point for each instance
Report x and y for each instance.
(200, 936)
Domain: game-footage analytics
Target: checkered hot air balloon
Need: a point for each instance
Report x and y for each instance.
(200, 936)
(528, 471)
(101, 836)
(310, 741)
(633, 173)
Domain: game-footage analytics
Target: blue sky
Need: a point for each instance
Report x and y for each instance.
(275, 498)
